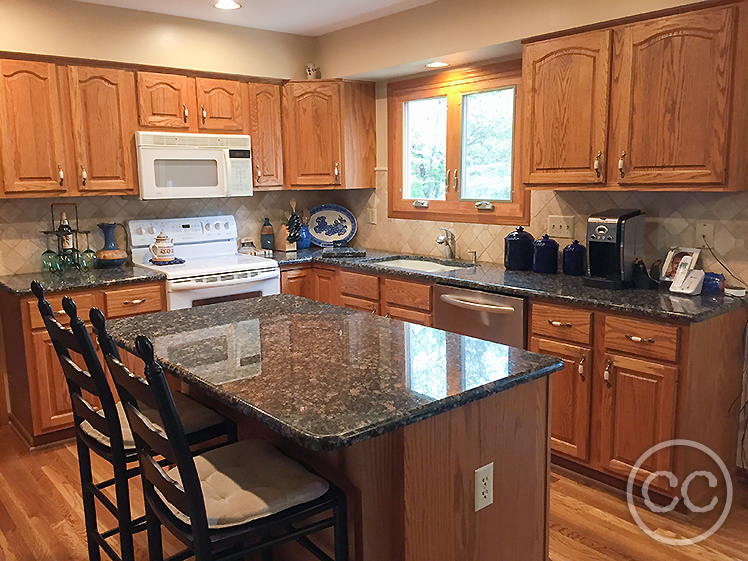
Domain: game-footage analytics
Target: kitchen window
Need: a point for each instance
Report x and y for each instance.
(452, 139)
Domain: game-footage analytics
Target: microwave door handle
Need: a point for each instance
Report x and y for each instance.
(227, 172)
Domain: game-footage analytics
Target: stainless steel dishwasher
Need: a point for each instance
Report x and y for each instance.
(479, 314)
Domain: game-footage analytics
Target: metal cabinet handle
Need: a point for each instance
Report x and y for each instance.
(559, 324)
(134, 302)
(606, 374)
(84, 175)
(455, 180)
(580, 367)
(636, 339)
(336, 171)
(448, 179)
(204, 112)
(185, 113)
(620, 164)
(373, 310)
(61, 174)
(387, 315)
(596, 165)
(259, 173)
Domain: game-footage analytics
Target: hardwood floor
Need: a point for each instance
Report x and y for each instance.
(41, 516)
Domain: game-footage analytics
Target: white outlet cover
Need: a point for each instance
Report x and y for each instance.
(483, 486)
(371, 215)
(706, 229)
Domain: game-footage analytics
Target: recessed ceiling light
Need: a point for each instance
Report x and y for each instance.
(437, 64)
(227, 5)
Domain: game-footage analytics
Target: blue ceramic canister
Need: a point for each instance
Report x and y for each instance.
(518, 250)
(305, 238)
(574, 259)
(545, 259)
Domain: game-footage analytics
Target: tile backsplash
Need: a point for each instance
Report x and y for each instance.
(671, 221)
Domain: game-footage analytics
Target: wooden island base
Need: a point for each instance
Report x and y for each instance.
(410, 491)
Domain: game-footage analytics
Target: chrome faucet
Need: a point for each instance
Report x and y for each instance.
(447, 239)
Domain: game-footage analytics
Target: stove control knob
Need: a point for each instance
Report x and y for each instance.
(218, 225)
(139, 231)
(226, 225)
(151, 230)
(207, 226)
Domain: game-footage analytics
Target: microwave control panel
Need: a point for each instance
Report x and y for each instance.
(241, 176)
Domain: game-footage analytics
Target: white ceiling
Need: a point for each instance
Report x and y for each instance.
(303, 17)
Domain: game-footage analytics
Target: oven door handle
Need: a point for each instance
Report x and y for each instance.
(477, 306)
(187, 285)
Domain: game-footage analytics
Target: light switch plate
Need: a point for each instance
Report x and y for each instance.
(561, 226)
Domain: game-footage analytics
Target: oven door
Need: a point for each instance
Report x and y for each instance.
(182, 173)
(190, 293)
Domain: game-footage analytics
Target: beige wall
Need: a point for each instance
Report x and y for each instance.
(456, 26)
(73, 29)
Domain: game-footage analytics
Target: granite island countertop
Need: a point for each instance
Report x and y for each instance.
(325, 376)
(20, 284)
(492, 277)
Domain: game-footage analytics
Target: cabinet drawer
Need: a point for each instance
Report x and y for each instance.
(359, 304)
(361, 286)
(132, 301)
(410, 316)
(84, 302)
(643, 338)
(408, 294)
(561, 322)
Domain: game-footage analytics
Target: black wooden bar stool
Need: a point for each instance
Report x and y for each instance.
(226, 503)
(104, 429)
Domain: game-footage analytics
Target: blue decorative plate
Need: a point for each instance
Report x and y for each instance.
(331, 223)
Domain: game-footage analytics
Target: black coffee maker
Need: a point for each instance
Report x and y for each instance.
(615, 239)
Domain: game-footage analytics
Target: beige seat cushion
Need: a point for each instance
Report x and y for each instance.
(195, 416)
(248, 480)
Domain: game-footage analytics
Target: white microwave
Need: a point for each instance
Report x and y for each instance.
(193, 166)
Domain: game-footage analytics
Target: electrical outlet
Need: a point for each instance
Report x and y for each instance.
(704, 229)
(483, 486)
(561, 226)
(371, 215)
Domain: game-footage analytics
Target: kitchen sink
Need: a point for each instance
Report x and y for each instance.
(424, 265)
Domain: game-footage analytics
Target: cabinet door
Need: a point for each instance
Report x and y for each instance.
(267, 148)
(166, 101)
(312, 133)
(326, 286)
(220, 107)
(571, 397)
(32, 144)
(566, 108)
(297, 282)
(672, 96)
(103, 116)
(638, 412)
(405, 314)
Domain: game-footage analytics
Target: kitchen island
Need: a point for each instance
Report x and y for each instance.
(398, 415)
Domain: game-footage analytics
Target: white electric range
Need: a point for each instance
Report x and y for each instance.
(213, 270)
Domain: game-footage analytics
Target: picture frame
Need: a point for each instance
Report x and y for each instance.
(673, 259)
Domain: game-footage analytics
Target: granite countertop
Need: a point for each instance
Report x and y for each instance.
(492, 277)
(325, 376)
(20, 284)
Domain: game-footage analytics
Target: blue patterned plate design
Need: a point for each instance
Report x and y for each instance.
(331, 223)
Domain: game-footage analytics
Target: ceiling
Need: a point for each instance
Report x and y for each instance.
(302, 17)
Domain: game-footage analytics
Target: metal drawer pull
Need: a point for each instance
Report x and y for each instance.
(606, 374)
(134, 302)
(421, 204)
(636, 339)
(387, 315)
(559, 324)
(478, 306)
(373, 310)
(580, 368)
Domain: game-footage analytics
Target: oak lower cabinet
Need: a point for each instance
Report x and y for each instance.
(40, 408)
(325, 284)
(329, 134)
(631, 383)
(297, 281)
(313, 282)
(646, 105)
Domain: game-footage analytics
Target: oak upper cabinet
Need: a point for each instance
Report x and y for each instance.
(33, 150)
(638, 413)
(329, 134)
(266, 133)
(672, 102)
(571, 405)
(220, 105)
(103, 127)
(166, 101)
(566, 107)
